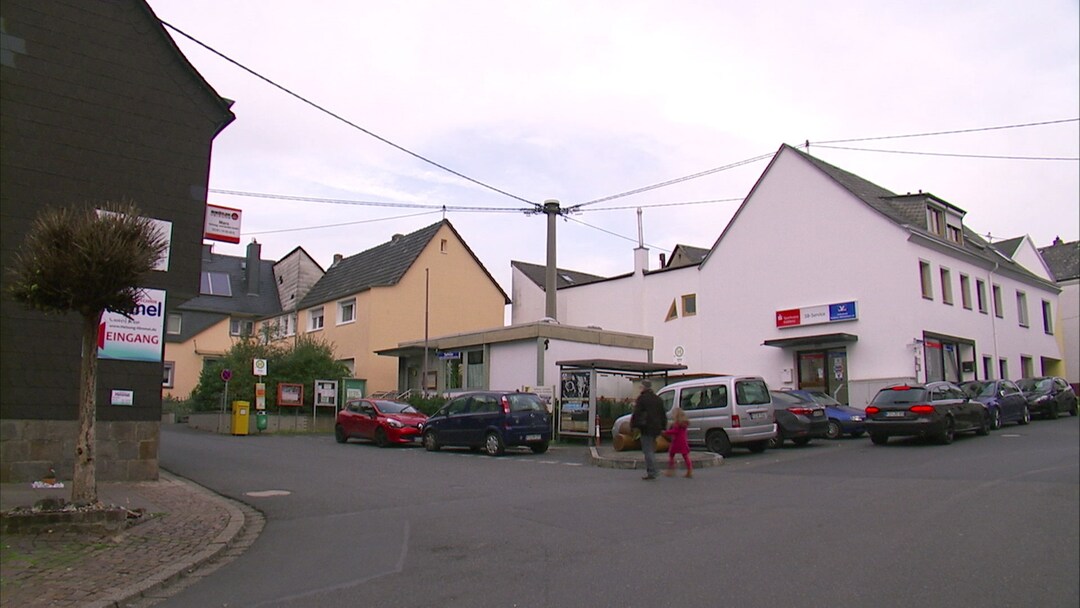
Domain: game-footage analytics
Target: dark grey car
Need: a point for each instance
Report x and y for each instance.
(936, 410)
(492, 420)
(1048, 396)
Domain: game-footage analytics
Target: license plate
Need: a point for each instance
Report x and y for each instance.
(895, 414)
(532, 437)
(757, 415)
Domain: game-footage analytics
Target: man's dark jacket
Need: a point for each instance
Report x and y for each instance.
(649, 414)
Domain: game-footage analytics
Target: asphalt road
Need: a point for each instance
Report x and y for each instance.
(987, 521)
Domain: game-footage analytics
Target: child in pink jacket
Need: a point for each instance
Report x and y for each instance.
(679, 443)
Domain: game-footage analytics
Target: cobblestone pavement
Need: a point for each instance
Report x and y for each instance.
(186, 531)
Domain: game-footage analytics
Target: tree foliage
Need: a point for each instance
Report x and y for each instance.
(302, 361)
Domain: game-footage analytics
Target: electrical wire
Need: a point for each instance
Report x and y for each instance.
(338, 225)
(615, 234)
(345, 120)
(339, 201)
(991, 156)
(655, 205)
(1017, 126)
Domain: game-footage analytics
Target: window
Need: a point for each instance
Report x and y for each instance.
(980, 294)
(288, 325)
(1027, 366)
(955, 235)
(998, 311)
(673, 312)
(442, 246)
(988, 367)
(315, 319)
(168, 369)
(1003, 368)
(1021, 310)
(241, 327)
(173, 325)
(346, 311)
(1048, 323)
(474, 369)
(935, 221)
(924, 277)
(702, 397)
(965, 291)
(215, 284)
(946, 286)
(689, 305)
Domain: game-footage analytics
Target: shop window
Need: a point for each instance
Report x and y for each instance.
(1022, 310)
(1048, 323)
(689, 305)
(946, 286)
(965, 291)
(924, 278)
(474, 369)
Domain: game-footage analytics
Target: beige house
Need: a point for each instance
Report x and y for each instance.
(235, 292)
(426, 283)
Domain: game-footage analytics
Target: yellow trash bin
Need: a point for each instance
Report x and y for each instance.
(240, 413)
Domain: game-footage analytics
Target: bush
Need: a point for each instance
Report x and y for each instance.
(427, 405)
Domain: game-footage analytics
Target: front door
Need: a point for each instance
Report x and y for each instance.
(825, 371)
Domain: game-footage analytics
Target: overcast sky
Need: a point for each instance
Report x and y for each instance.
(577, 100)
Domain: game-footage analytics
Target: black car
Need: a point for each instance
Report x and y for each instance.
(492, 420)
(1002, 398)
(1048, 396)
(935, 410)
(798, 418)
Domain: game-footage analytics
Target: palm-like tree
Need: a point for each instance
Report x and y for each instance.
(86, 260)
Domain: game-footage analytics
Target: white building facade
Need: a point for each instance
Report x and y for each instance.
(823, 280)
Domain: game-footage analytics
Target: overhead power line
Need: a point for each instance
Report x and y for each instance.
(954, 132)
(947, 154)
(343, 119)
(339, 224)
(339, 201)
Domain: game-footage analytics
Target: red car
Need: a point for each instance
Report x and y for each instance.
(384, 422)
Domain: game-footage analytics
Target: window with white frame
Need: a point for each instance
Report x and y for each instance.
(174, 323)
(925, 280)
(346, 311)
(215, 284)
(315, 319)
(168, 376)
(946, 286)
(965, 291)
(241, 327)
(1022, 310)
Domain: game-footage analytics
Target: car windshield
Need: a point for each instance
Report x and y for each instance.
(525, 402)
(900, 395)
(393, 407)
(823, 398)
(1029, 385)
(978, 389)
(785, 398)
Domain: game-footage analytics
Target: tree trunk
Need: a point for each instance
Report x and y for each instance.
(84, 480)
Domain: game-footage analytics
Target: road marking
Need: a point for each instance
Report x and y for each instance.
(267, 493)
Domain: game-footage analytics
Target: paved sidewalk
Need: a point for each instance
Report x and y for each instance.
(606, 456)
(185, 527)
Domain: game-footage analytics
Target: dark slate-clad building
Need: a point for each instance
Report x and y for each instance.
(98, 105)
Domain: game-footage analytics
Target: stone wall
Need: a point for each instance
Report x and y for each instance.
(126, 450)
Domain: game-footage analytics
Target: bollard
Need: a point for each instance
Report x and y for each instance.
(260, 420)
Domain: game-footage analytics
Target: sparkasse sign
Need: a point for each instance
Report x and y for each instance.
(814, 315)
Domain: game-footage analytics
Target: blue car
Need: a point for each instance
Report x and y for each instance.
(1003, 400)
(843, 419)
(491, 420)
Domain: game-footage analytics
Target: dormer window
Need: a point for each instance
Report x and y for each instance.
(955, 234)
(935, 221)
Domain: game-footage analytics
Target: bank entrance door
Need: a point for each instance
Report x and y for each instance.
(825, 371)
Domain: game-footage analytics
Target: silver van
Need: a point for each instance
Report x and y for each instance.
(724, 411)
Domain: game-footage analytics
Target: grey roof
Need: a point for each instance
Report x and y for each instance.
(910, 211)
(563, 278)
(694, 255)
(1009, 246)
(194, 323)
(380, 266)
(1063, 259)
(262, 304)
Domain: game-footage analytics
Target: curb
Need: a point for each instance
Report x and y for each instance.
(635, 461)
(170, 574)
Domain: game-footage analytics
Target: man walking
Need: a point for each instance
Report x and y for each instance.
(649, 418)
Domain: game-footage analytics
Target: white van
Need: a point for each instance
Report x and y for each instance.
(724, 411)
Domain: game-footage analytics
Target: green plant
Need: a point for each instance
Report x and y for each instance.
(428, 405)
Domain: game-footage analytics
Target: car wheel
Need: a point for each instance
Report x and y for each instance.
(984, 427)
(778, 441)
(339, 434)
(431, 442)
(834, 431)
(995, 419)
(879, 438)
(1025, 417)
(380, 438)
(758, 447)
(801, 441)
(1051, 411)
(539, 448)
(949, 434)
(493, 444)
(717, 442)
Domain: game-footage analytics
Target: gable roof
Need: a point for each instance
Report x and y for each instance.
(261, 304)
(692, 255)
(381, 266)
(1009, 246)
(907, 211)
(563, 277)
(1063, 260)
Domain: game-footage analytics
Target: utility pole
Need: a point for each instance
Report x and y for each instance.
(551, 208)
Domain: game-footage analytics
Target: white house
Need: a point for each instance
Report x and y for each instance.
(824, 280)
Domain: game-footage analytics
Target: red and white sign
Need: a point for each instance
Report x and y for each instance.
(138, 337)
(222, 224)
